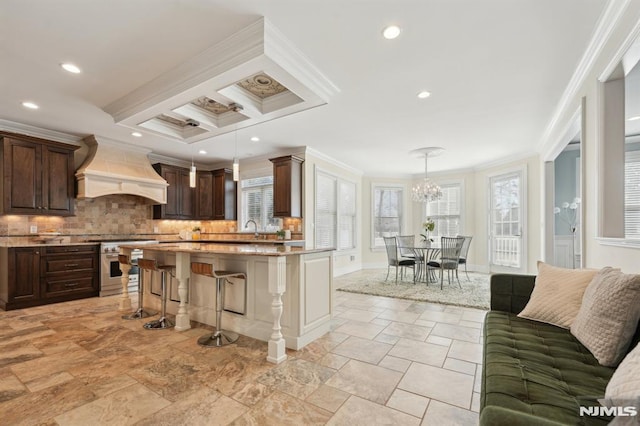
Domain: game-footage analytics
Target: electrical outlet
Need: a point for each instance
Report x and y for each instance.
(33, 229)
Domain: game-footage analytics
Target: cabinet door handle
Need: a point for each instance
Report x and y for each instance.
(70, 265)
(37, 252)
(72, 284)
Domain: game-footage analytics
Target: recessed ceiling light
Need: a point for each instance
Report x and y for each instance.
(391, 32)
(634, 118)
(424, 94)
(30, 105)
(71, 68)
(255, 139)
(136, 134)
(202, 151)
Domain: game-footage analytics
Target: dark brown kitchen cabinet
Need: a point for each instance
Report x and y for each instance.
(224, 195)
(204, 195)
(37, 176)
(32, 276)
(180, 197)
(287, 186)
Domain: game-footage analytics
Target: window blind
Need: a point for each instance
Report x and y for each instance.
(446, 211)
(632, 195)
(326, 211)
(347, 220)
(387, 213)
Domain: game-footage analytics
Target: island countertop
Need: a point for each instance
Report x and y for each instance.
(225, 248)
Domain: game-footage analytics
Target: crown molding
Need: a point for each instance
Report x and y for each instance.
(333, 161)
(38, 132)
(607, 23)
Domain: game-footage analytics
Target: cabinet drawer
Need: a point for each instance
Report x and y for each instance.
(72, 249)
(69, 264)
(54, 287)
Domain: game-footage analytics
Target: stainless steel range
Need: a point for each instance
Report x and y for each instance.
(110, 273)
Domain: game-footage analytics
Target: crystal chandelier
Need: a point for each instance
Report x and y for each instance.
(427, 190)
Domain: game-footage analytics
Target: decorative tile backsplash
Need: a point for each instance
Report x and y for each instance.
(117, 215)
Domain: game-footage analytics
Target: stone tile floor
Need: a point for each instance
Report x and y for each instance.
(386, 362)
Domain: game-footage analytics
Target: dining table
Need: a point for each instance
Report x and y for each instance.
(423, 252)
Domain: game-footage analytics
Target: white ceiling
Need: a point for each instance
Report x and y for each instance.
(496, 70)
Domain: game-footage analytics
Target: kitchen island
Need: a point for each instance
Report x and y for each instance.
(287, 297)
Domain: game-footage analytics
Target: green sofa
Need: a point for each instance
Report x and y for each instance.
(535, 373)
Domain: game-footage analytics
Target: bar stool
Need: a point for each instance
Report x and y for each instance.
(220, 337)
(140, 312)
(152, 265)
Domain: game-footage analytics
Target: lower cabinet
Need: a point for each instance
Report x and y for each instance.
(32, 276)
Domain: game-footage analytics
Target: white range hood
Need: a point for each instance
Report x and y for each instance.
(113, 167)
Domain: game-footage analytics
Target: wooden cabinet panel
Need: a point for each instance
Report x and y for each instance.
(224, 195)
(61, 286)
(24, 273)
(68, 264)
(180, 197)
(204, 195)
(187, 197)
(37, 176)
(287, 186)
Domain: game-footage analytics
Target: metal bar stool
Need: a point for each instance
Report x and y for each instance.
(140, 312)
(152, 265)
(220, 337)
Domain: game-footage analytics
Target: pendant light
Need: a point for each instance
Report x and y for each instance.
(192, 174)
(427, 190)
(236, 163)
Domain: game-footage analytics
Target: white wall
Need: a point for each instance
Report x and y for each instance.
(596, 253)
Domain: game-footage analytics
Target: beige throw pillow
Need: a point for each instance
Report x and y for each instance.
(623, 390)
(557, 295)
(609, 315)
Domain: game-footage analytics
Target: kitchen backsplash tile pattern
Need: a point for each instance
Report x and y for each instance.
(121, 215)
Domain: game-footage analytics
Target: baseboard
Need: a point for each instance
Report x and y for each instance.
(346, 270)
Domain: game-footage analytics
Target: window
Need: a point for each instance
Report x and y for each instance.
(257, 203)
(387, 213)
(506, 219)
(335, 212)
(632, 195)
(445, 212)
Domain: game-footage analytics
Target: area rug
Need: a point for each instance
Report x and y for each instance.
(474, 293)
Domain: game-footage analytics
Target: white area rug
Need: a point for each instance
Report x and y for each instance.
(474, 293)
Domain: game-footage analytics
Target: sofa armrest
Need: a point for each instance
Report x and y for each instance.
(511, 292)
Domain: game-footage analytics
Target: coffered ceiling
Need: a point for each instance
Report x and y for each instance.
(496, 70)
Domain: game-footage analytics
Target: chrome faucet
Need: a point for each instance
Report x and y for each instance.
(255, 225)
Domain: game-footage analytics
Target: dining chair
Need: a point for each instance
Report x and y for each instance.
(464, 253)
(407, 250)
(450, 248)
(394, 258)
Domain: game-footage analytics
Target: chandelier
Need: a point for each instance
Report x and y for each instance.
(427, 190)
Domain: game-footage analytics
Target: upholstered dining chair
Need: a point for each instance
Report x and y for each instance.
(450, 248)
(394, 258)
(464, 252)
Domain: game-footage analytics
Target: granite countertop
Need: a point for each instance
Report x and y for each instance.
(34, 244)
(226, 248)
(237, 241)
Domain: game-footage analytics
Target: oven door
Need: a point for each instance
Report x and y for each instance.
(110, 274)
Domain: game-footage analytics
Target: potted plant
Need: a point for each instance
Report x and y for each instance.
(429, 225)
(280, 234)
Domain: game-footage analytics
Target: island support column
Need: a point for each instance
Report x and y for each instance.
(277, 286)
(125, 300)
(183, 274)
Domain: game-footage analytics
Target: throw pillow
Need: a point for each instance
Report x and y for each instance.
(609, 315)
(623, 389)
(557, 295)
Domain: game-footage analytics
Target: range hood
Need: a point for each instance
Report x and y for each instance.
(112, 167)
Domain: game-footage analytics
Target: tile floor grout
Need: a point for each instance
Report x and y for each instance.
(165, 378)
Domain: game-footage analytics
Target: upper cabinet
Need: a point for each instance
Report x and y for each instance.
(224, 195)
(204, 195)
(287, 186)
(180, 197)
(37, 176)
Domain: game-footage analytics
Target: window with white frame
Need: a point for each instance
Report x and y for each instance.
(335, 212)
(632, 195)
(387, 213)
(257, 203)
(446, 211)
